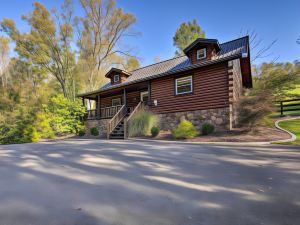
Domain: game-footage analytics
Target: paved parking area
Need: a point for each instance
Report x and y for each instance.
(89, 182)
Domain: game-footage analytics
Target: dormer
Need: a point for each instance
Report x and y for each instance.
(117, 76)
(202, 49)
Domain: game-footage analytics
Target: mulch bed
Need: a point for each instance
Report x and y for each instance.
(260, 134)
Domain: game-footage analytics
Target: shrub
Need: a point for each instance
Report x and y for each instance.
(155, 131)
(185, 130)
(65, 116)
(22, 131)
(141, 123)
(207, 128)
(252, 109)
(94, 131)
(81, 133)
(43, 126)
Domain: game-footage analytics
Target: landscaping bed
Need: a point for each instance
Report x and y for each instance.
(260, 134)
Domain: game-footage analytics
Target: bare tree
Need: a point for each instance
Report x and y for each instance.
(4, 59)
(99, 33)
(259, 49)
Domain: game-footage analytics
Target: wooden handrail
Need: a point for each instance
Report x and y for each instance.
(116, 120)
(126, 120)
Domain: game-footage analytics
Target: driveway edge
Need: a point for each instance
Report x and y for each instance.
(202, 143)
(293, 136)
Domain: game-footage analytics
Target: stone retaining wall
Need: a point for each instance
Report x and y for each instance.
(218, 117)
(100, 124)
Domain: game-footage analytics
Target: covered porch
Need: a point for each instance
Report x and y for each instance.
(106, 104)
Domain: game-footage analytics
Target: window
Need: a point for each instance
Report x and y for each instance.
(144, 96)
(116, 78)
(184, 85)
(116, 102)
(201, 53)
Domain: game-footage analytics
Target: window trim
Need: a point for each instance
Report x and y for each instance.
(143, 93)
(190, 77)
(118, 76)
(204, 57)
(119, 99)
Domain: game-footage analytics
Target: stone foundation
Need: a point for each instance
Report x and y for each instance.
(100, 124)
(218, 117)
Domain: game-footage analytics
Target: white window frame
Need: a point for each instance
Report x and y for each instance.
(114, 99)
(204, 53)
(181, 78)
(116, 80)
(142, 94)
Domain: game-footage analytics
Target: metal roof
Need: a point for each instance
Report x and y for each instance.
(232, 49)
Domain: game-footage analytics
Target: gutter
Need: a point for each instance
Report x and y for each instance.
(164, 74)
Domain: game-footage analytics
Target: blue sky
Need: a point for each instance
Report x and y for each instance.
(157, 21)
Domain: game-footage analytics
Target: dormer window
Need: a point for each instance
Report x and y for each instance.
(116, 78)
(201, 53)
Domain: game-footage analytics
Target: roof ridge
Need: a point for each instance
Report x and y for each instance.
(158, 63)
(246, 36)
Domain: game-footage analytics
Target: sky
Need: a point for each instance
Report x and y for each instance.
(157, 21)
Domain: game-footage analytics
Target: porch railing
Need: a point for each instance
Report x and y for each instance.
(107, 112)
(116, 120)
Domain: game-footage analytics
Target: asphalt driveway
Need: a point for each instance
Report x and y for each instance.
(89, 182)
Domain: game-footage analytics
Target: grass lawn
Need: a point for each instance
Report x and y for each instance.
(294, 127)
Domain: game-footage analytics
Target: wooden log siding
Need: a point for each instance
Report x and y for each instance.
(106, 102)
(132, 99)
(210, 52)
(210, 90)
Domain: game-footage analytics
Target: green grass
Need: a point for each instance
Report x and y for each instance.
(295, 91)
(294, 127)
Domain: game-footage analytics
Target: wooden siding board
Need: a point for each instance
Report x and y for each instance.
(210, 90)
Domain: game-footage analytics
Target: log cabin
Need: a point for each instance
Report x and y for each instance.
(201, 86)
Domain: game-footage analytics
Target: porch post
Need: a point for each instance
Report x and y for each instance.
(124, 97)
(99, 106)
(83, 103)
(149, 93)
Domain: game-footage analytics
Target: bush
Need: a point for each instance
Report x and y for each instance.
(81, 133)
(94, 131)
(43, 126)
(207, 128)
(21, 131)
(185, 130)
(65, 116)
(141, 123)
(252, 109)
(155, 131)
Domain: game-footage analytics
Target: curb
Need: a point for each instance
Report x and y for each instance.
(202, 143)
(293, 136)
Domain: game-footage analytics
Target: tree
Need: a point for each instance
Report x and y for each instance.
(186, 34)
(48, 44)
(4, 59)
(259, 49)
(273, 82)
(100, 32)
